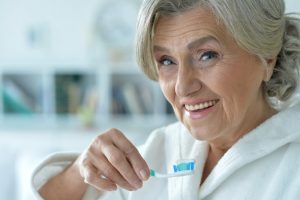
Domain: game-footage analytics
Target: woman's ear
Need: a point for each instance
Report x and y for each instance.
(270, 64)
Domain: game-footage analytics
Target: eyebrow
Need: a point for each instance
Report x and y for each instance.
(159, 48)
(192, 45)
(201, 41)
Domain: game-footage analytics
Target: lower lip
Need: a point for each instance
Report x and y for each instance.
(200, 114)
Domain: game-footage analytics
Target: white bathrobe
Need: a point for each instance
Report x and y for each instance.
(264, 164)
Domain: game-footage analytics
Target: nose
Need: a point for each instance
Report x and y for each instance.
(188, 81)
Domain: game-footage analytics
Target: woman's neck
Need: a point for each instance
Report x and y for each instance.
(218, 149)
(214, 155)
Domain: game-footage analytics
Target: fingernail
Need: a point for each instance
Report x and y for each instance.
(143, 174)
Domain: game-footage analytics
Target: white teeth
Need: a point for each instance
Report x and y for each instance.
(200, 105)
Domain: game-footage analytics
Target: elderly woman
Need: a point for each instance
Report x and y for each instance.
(226, 67)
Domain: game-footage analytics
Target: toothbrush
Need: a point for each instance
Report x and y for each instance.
(182, 168)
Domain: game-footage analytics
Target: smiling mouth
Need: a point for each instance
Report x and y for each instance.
(200, 106)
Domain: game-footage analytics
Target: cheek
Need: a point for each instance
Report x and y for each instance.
(238, 77)
(238, 86)
(168, 89)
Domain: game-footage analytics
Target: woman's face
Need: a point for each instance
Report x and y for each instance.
(214, 86)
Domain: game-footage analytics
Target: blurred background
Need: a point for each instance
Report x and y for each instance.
(67, 73)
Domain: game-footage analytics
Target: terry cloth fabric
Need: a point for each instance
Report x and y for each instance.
(264, 164)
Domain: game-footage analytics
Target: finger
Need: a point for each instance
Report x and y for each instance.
(137, 161)
(107, 170)
(139, 164)
(91, 177)
(119, 161)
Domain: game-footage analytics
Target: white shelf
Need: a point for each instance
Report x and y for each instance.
(43, 85)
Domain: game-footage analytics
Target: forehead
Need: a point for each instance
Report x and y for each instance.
(193, 23)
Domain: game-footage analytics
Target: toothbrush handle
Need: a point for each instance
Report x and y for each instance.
(170, 175)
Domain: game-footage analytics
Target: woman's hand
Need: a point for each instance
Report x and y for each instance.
(111, 160)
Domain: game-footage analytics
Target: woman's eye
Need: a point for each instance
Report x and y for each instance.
(166, 61)
(208, 55)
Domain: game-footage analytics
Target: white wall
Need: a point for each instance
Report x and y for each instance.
(64, 28)
(292, 5)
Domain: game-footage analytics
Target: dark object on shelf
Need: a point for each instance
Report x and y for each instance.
(68, 92)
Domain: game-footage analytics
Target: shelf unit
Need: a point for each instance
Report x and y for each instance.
(80, 97)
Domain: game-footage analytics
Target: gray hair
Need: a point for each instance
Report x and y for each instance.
(261, 27)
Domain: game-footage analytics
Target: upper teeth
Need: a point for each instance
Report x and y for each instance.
(200, 105)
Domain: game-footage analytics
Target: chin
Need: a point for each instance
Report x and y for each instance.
(204, 133)
(198, 135)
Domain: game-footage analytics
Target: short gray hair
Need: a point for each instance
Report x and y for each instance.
(261, 27)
